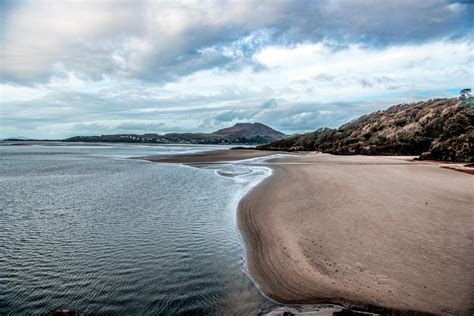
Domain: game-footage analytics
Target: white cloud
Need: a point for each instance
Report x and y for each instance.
(10, 93)
(434, 65)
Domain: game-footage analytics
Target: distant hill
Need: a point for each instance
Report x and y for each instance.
(16, 139)
(249, 130)
(440, 129)
(240, 133)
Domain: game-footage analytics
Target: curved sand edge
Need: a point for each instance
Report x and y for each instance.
(362, 232)
(210, 157)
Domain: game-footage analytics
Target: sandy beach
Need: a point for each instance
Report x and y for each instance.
(363, 231)
(360, 231)
(210, 157)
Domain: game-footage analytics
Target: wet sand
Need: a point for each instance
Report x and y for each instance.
(362, 231)
(210, 157)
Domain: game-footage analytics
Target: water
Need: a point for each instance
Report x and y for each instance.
(85, 229)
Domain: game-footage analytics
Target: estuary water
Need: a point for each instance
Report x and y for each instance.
(85, 228)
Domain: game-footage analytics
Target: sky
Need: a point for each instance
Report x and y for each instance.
(102, 67)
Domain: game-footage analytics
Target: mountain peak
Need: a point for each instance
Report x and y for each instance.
(249, 130)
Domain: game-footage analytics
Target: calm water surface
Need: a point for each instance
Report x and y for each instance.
(82, 227)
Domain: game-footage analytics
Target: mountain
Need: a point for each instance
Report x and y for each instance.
(440, 129)
(240, 133)
(249, 130)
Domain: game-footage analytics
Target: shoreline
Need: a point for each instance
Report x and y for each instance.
(209, 157)
(282, 258)
(286, 261)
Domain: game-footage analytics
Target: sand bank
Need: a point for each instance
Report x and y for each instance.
(361, 231)
(209, 157)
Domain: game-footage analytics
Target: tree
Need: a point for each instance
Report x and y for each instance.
(465, 94)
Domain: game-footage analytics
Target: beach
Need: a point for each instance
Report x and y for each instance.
(360, 231)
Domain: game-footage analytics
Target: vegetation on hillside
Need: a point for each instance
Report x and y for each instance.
(440, 129)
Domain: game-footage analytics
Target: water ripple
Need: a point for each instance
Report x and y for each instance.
(109, 236)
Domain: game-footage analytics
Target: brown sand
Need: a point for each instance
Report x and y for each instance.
(362, 231)
(211, 156)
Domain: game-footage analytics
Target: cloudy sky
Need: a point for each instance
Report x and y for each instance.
(97, 67)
